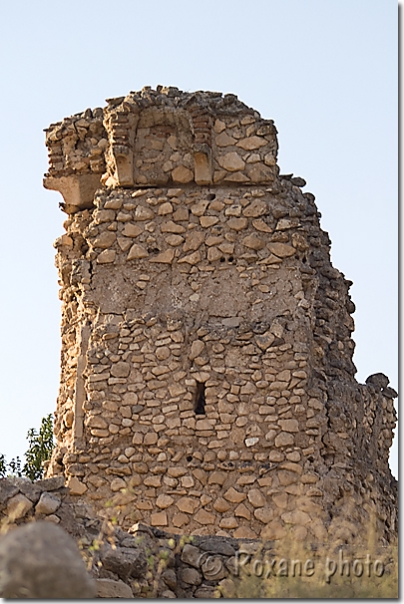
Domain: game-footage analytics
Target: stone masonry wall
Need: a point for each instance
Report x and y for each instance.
(207, 379)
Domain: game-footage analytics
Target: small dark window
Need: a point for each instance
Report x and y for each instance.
(222, 259)
(189, 458)
(231, 259)
(211, 196)
(200, 399)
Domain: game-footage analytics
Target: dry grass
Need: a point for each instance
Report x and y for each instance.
(325, 571)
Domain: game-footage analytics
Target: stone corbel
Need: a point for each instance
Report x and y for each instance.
(77, 190)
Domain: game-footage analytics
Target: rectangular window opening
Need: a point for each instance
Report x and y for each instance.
(200, 399)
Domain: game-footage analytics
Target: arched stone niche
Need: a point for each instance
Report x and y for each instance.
(163, 149)
(160, 145)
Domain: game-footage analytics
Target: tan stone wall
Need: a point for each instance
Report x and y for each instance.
(207, 355)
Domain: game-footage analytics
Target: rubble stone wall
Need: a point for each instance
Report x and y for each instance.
(207, 380)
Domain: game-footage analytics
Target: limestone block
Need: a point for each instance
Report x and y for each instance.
(292, 467)
(193, 241)
(214, 254)
(262, 226)
(165, 208)
(231, 162)
(187, 504)
(180, 519)
(106, 257)
(265, 340)
(237, 224)
(177, 471)
(213, 240)
(131, 230)
(198, 209)
(282, 250)
(174, 240)
(76, 487)
(192, 259)
(182, 175)
(276, 456)
(228, 523)
(242, 511)
(159, 519)
(172, 227)
(221, 505)
(204, 424)
(255, 209)
(120, 369)
(47, 504)
(217, 477)
(234, 496)
(253, 242)
(250, 442)
(105, 239)
(269, 159)
(196, 348)
(117, 484)
(136, 252)
(165, 257)
(251, 143)
(244, 532)
(219, 126)
(289, 425)
(264, 514)
(208, 221)
(18, 506)
(124, 243)
(124, 216)
(260, 173)
(143, 213)
(108, 588)
(164, 501)
(256, 498)
(286, 477)
(181, 214)
(280, 500)
(284, 439)
(236, 177)
(224, 140)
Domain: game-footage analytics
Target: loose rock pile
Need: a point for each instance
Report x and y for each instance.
(39, 561)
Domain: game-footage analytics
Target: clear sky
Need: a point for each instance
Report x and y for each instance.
(324, 70)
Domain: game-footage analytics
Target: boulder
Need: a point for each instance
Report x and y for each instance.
(40, 560)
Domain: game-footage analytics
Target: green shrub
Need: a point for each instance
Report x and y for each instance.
(40, 449)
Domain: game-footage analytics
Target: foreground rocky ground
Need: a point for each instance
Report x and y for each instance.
(53, 546)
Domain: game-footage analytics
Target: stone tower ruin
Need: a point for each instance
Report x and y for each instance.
(207, 382)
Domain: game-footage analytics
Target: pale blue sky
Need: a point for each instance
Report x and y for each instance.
(324, 70)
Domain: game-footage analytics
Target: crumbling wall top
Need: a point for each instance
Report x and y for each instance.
(157, 138)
